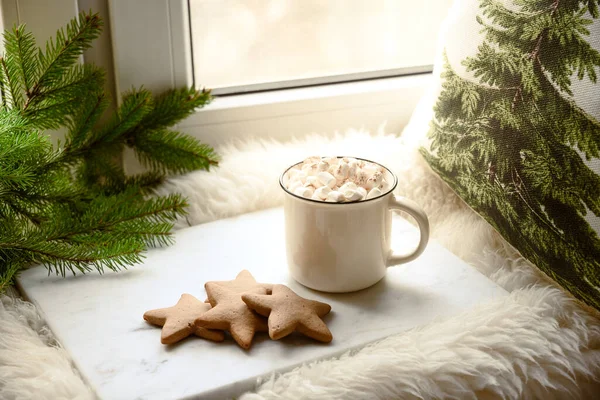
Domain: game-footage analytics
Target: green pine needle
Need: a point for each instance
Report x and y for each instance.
(171, 151)
(73, 208)
(175, 105)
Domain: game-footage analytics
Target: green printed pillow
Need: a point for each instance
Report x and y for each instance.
(516, 129)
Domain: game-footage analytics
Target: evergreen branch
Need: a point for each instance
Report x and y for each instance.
(135, 106)
(62, 52)
(99, 168)
(14, 95)
(82, 123)
(78, 82)
(3, 94)
(70, 195)
(52, 105)
(60, 257)
(129, 223)
(49, 253)
(11, 123)
(74, 208)
(173, 106)
(520, 188)
(171, 151)
(592, 8)
(107, 212)
(17, 209)
(22, 153)
(146, 181)
(497, 11)
(10, 265)
(52, 114)
(585, 128)
(20, 57)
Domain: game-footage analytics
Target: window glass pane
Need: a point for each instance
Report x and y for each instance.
(246, 42)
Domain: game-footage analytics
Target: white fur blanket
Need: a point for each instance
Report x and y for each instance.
(536, 343)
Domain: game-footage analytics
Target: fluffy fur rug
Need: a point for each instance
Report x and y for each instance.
(536, 343)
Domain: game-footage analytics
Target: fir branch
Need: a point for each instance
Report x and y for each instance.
(10, 264)
(171, 151)
(74, 208)
(173, 106)
(592, 8)
(135, 106)
(126, 222)
(78, 82)
(98, 166)
(11, 94)
(83, 121)
(145, 181)
(62, 257)
(21, 155)
(20, 57)
(62, 52)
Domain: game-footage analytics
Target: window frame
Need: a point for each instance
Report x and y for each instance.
(152, 48)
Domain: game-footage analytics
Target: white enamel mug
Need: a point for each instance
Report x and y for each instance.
(344, 247)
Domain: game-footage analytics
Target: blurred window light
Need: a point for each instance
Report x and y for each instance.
(251, 45)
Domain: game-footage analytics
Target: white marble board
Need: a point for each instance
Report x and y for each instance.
(98, 319)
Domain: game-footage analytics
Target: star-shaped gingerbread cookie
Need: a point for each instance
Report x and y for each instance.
(230, 313)
(178, 321)
(243, 281)
(289, 312)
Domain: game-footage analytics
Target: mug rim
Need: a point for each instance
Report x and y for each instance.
(347, 202)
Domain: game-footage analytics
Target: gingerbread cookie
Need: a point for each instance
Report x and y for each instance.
(230, 313)
(289, 312)
(243, 281)
(178, 321)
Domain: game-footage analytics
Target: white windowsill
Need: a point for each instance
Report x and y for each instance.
(271, 104)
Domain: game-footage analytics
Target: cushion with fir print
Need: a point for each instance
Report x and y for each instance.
(515, 128)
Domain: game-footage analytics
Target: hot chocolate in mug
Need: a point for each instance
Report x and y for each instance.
(344, 247)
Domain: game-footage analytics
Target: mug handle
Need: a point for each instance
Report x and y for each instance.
(412, 208)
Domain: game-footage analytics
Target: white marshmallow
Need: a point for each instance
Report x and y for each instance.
(292, 173)
(341, 171)
(332, 168)
(348, 186)
(336, 179)
(310, 169)
(322, 166)
(293, 185)
(327, 179)
(374, 181)
(322, 192)
(301, 176)
(374, 193)
(304, 191)
(362, 191)
(353, 169)
(352, 195)
(313, 181)
(335, 197)
(361, 177)
(370, 169)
